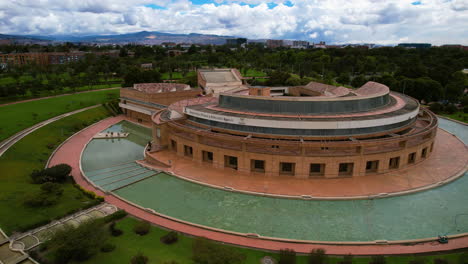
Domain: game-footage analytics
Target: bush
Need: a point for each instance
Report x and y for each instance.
(287, 256)
(57, 173)
(40, 199)
(450, 109)
(115, 216)
(115, 231)
(108, 247)
(378, 260)
(417, 261)
(317, 256)
(52, 188)
(142, 228)
(47, 196)
(436, 107)
(440, 261)
(170, 238)
(139, 259)
(206, 252)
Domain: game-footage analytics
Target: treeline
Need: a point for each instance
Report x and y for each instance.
(427, 74)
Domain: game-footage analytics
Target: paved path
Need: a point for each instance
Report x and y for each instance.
(7, 143)
(52, 96)
(70, 153)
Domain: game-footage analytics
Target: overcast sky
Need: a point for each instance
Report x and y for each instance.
(334, 21)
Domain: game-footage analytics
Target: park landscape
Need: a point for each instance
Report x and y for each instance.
(32, 196)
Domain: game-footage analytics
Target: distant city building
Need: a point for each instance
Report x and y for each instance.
(236, 41)
(168, 45)
(455, 46)
(415, 45)
(320, 45)
(274, 43)
(46, 58)
(147, 66)
(300, 44)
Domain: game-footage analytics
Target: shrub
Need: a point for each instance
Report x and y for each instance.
(378, 260)
(52, 188)
(115, 231)
(40, 199)
(436, 107)
(142, 228)
(287, 256)
(440, 261)
(57, 173)
(115, 216)
(317, 256)
(450, 108)
(108, 247)
(170, 238)
(139, 259)
(206, 252)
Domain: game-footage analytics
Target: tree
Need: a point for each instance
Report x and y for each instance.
(287, 256)
(317, 256)
(77, 243)
(57, 173)
(358, 81)
(139, 259)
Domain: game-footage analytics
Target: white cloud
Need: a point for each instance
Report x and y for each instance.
(378, 21)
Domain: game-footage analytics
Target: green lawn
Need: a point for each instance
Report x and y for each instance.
(129, 244)
(17, 117)
(65, 90)
(254, 73)
(460, 116)
(31, 153)
(176, 75)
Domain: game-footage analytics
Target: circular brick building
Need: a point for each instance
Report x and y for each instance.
(311, 131)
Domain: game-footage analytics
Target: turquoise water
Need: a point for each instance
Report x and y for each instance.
(102, 153)
(420, 215)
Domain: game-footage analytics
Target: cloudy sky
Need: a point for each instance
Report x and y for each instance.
(334, 21)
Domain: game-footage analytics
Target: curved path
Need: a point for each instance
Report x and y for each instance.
(70, 152)
(59, 95)
(7, 143)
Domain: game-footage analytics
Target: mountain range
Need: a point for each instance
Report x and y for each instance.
(143, 37)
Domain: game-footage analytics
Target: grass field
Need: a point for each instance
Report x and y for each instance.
(176, 75)
(66, 90)
(129, 244)
(17, 117)
(460, 116)
(254, 73)
(31, 153)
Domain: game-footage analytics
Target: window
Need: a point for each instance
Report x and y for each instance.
(230, 162)
(174, 145)
(139, 120)
(394, 163)
(188, 151)
(346, 169)
(207, 156)
(158, 132)
(317, 169)
(411, 158)
(257, 165)
(372, 166)
(424, 153)
(287, 168)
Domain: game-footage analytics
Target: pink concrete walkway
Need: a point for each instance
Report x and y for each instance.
(70, 152)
